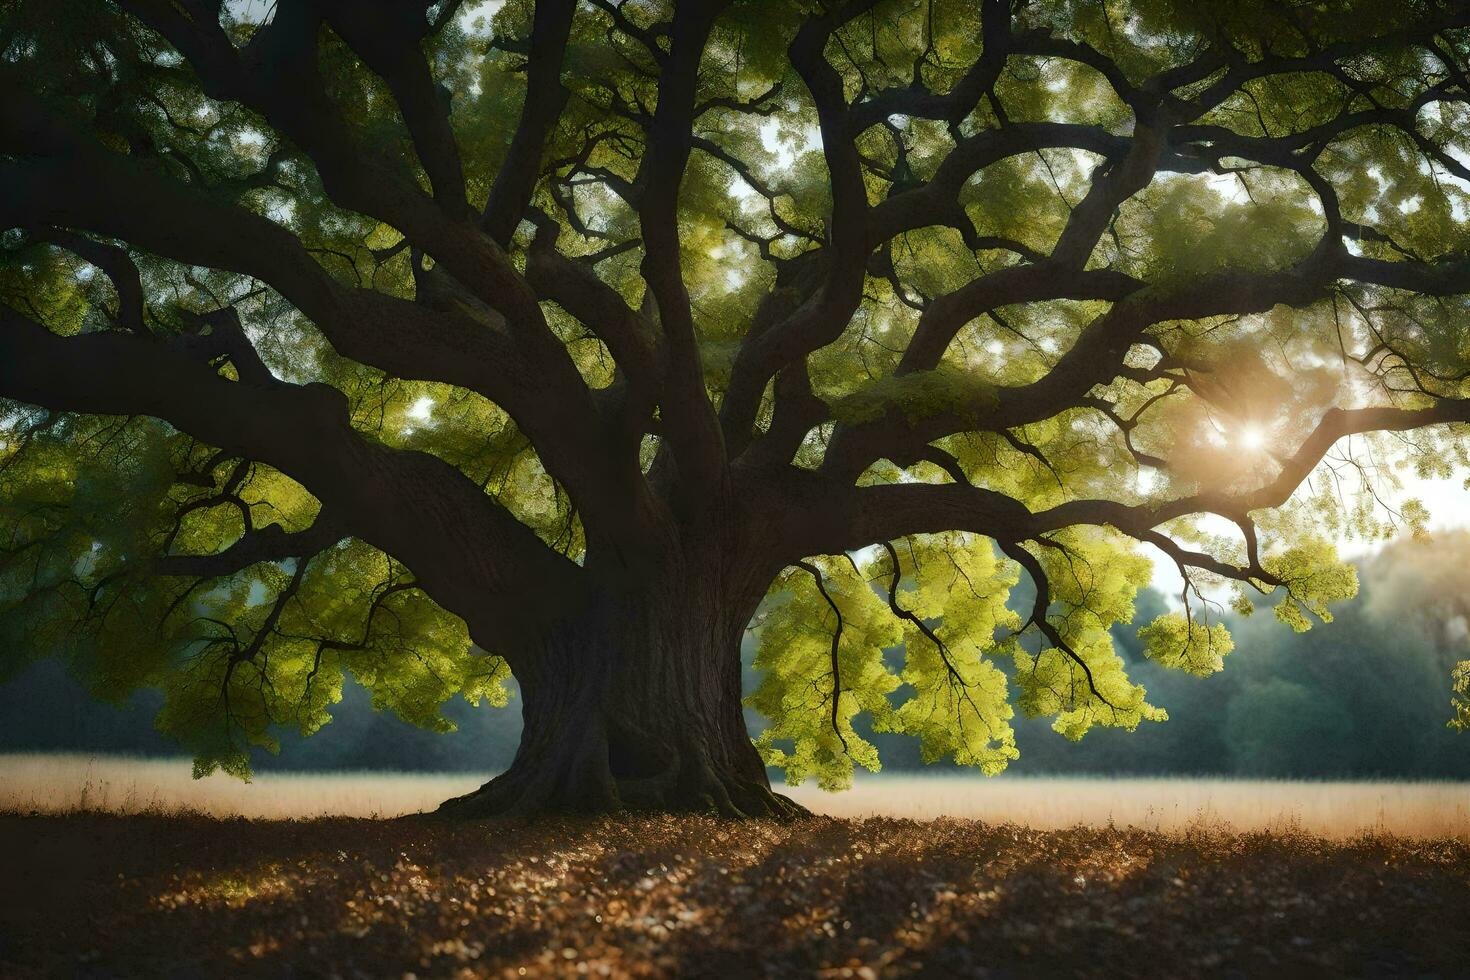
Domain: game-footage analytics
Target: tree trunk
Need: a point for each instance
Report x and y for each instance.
(636, 704)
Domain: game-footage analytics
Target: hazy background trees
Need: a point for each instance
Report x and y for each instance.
(1363, 696)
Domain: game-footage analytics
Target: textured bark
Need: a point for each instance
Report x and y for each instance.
(621, 718)
(635, 703)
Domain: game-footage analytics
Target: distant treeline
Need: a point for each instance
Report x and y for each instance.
(1364, 696)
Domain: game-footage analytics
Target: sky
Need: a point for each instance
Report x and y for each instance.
(1448, 503)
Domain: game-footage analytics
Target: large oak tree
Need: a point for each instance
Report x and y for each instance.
(429, 342)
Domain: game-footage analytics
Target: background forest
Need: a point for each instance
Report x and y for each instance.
(1364, 696)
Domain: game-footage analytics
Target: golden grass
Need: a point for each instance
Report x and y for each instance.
(1337, 810)
(62, 783)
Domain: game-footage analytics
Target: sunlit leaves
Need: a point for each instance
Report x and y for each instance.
(960, 705)
(1018, 199)
(1460, 699)
(1314, 576)
(812, 694)
(1188, 226)
(1053, 683)
(1093, 581)
(86, 505)
(946, 694)
(951, 692)
(1187, 644)
(272, 650)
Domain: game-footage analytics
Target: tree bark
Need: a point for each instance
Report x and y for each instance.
(635, 704)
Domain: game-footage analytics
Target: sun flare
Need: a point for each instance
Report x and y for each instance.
(1251, 437)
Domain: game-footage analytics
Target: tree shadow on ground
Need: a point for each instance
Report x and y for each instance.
(94, 895)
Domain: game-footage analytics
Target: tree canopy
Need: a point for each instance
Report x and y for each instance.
(382, 338)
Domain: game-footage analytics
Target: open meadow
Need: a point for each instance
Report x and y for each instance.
(130, 868)
(63, 783)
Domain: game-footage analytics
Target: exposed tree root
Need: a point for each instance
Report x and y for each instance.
(514, 794)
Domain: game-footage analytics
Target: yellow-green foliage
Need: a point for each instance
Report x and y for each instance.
(1193, 228)
(1313, 577)
(1187, 644)
(1461, 696)
(799, 685)
(410, 654)
(955, 698)
(89, 502)
(920, 394)
(960, 707)
(1094, 579)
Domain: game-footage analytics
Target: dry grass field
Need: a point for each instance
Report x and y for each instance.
(64, 783)
(151, 889)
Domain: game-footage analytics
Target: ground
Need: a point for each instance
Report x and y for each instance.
(92, 894)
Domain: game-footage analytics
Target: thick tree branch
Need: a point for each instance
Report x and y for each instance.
(574, 286)
(272, 543)
(820, 318)
(65, 179)
(545, 99)
(1098, 355)
(473, 557)
(277, 74)
(918, 101)
(691, 428)
(817, 515)
(115, 264)
(387, 35)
